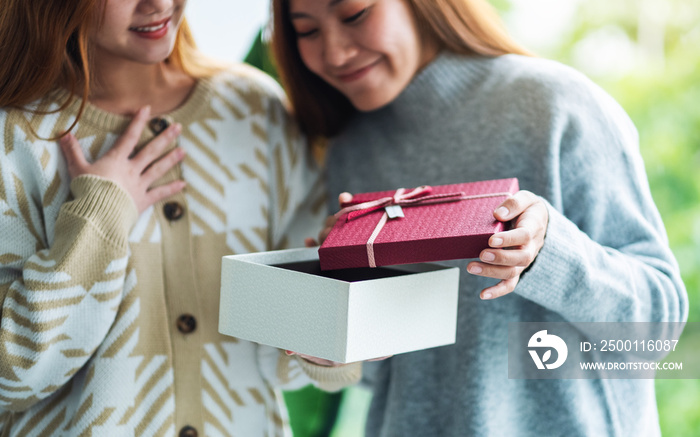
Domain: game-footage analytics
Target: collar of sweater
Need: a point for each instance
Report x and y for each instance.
(449, 79)
(190, 110)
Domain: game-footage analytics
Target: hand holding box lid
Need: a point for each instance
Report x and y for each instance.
(437, 223)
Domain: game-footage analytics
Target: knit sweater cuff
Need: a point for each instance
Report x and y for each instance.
(105, 205)
(332, 378)
(556, 264)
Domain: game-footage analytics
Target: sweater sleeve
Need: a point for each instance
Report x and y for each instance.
(605, 255)
(292, 372)
(59, 290)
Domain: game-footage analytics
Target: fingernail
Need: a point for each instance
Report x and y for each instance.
(290, 353)
(486, 296)
(502, 212)
(475, 269)
(488, 256)
(497, 242)
(177, 128)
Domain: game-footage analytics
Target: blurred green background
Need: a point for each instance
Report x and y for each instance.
(646, 54)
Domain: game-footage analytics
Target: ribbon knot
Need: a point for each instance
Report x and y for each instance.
(416, 197)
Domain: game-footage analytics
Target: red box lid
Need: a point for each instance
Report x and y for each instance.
(429, 232)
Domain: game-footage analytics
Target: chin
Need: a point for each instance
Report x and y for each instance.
(371, 103)
(153, 58)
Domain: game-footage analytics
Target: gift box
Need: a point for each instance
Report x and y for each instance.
(284, 299)
(424, 224)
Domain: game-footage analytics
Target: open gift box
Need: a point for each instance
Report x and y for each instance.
(284, 299)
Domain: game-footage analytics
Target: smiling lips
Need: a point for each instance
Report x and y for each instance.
(356, 74)
(155, 30)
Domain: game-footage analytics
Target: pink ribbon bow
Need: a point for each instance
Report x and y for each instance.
(416, 197)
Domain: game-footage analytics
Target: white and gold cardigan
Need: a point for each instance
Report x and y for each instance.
(109, 318)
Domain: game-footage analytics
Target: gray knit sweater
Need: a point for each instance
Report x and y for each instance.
(605, 256)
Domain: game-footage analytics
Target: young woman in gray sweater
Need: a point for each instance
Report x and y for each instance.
(415, 92)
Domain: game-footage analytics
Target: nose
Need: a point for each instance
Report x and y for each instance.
(338, 48)
(155, 6)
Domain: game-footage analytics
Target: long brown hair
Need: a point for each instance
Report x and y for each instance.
(45, 46)
(469, 27)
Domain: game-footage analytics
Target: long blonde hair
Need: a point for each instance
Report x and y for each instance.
(470, 27)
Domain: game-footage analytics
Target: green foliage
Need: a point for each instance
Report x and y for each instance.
(312, 412)
(501, 5)
(678, 407)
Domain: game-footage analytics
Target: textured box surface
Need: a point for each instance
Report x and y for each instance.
(283, 299)
(428, 232)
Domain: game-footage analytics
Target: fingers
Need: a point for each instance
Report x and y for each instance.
(310, 242)
(153, 150)
(127, 142)
(530, 227)
(159, 193)
(511, 252)
(75, 159)
(344, 198)
(501, 289)
(519, 257)
(515, 205)
(509, 238)
(381, 358)
(524, 234)
(160, 167)
(324, 234)
(330, 222)
(491, 271)
(315, 360)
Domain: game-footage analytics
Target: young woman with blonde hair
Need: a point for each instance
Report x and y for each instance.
(415, 92)
(110, 257)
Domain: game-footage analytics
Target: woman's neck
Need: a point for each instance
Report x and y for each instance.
(124, 87)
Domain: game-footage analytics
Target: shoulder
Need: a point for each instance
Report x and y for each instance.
(512, 84)
(544, 94)
(247, 81)
(29, 157)
(549, 87)
(246, 87)
(18, 128)
(38, 122)
(537, 72)
(16, 125)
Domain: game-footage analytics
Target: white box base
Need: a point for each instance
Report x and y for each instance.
(283, 299)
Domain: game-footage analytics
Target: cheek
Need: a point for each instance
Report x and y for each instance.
(105, 36)
(179, 11)
(395, 34)
(310, 55)
(388, 40)
(112, 22)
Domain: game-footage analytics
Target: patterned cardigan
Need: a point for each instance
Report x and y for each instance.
(109, 318)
